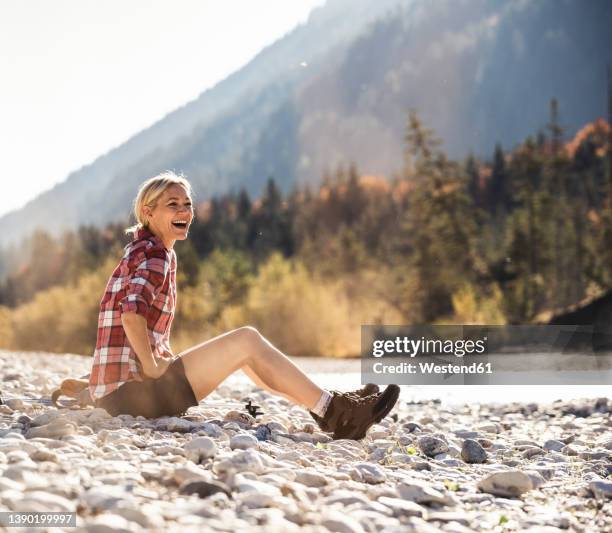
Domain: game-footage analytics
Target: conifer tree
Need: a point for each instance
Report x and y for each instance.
(438, 224)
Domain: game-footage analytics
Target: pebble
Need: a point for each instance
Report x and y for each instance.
(107, 523)
(55, 429)
(40, 502)
(44, 455)
(239, 417)
(601, 489)
(311, 479)
(508, 484)
(340, 522)
(204, 489)
(346, 497)
(432, 446)
(243, 441)
(473, 452)
(218, 469)
(200, 448)
(244, 484)
(553, 445)
(411, 427)
(369, 473)
(104, 498)
(263, 432)
(189, 471)
(569, 450)
(149, 520)
(242, 461)
(14, 403)
(532, 452)
(403, 507)
(421, 492)
(174, 424)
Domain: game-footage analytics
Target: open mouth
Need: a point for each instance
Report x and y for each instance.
(181, 224)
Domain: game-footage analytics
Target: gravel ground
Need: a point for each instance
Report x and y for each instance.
(429, 466)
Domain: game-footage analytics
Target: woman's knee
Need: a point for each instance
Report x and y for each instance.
(249, 334)
(249, 339)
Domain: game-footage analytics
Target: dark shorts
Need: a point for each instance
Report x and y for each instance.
(169, 395)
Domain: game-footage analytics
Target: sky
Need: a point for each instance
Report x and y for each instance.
(79, 77)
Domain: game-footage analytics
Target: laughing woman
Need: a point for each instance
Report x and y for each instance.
(134, 370)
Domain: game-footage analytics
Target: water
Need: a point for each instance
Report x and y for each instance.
(343, 374)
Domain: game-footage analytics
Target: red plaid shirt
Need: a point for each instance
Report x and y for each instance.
(144, 282)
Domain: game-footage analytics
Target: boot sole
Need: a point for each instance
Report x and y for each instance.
(390, 403)
(383, 407)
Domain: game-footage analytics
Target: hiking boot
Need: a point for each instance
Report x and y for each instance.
(366, 390)
(350, 417)
(369, 388)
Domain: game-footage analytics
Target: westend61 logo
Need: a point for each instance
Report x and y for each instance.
(413, 347)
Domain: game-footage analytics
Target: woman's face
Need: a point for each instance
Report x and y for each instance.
(171, 217)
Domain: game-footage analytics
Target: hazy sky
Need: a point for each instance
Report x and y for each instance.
(79, 77)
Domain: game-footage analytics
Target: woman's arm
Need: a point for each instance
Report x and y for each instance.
(135, 327)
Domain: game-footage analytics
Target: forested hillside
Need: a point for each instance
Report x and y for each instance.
(336, 90)
(495, 240)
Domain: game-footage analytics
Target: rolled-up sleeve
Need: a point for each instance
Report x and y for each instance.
(145, 282)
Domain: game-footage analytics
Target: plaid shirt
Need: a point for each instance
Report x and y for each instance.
(144, 282)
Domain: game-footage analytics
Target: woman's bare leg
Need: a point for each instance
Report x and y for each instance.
(255, 379)
(208, 364)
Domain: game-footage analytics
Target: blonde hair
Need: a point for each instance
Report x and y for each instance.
(150, 191)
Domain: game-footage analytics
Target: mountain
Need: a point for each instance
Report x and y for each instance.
(338, 88)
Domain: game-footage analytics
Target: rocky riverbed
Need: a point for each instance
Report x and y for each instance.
(426, 467)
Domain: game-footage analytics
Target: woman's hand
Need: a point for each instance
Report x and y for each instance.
(166, 354)
(162, 364)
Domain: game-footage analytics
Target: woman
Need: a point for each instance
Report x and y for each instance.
(134, 370)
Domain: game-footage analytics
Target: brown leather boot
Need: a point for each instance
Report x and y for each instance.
(366, 390)
(350, 417)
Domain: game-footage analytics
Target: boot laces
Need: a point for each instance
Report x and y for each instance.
(359, 401)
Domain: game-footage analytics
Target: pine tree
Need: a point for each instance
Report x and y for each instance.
(438, 226)
(499, 193)
(557, 180)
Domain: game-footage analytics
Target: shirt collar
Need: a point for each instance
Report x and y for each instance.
(145, 233)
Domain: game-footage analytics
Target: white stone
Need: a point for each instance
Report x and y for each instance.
(346, 497)
(98, 413)
(16, 455)
(45, 418)
(104, 498)
(9, 444)
(39, 501)
(420, 492)
(200, 448)
(370, 473)
(212, 430)
(146, 520)
(310, 478)
(340, 522)
(402, 507)
(110, 523)
(189, 471)
(14, 403)
(256, 499)
(56, 429)
(174, 424)
(243, 441)
(508, 484)
(242, 461)
(243, 484)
